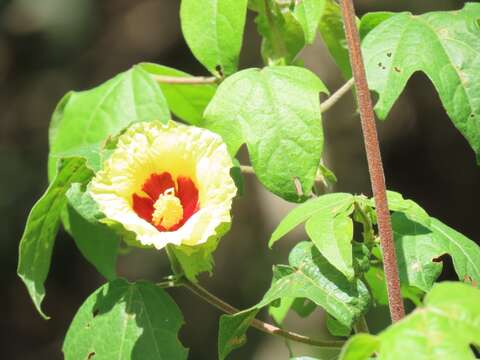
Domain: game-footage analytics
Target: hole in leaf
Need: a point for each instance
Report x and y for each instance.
(397, 69)
(389, 54)
(475, 350)
(379, 64)
(91, 355)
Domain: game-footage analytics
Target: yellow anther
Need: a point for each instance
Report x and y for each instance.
(168, 210)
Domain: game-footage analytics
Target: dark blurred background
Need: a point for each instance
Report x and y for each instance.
(48, 47)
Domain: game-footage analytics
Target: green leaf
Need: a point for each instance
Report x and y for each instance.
(186, 101)
(308, 13)
(123, 320)
(336, 328)
(276, 111)
(303, 307)
(445, 46)
(198, 259)
(311, 276)
(375, 278)
(283, 35)
(410, 208)
(419, 250)
(333, 35)
(83, 121)
(96, 241)
(444, 328)
(232, 331)
(371, 20)
(329, 204)
(213, 30)
(333, 235)
(361, 346)
(36, 245)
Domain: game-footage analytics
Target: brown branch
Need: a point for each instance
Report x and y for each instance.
(375, 167)
(191, 80)
(258, 324)
(337, 95)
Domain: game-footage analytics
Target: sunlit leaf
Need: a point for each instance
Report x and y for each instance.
(443, 45)
(276, 112)
(123, 320)
(419, 249)
(213, 29)
(325, 205)
(444, 328)
(333, 235)
(83, 121)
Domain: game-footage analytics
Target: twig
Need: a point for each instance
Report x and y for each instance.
(375, 167)
(191, 80)
(337, 95)
(247, 169)
(258, 324)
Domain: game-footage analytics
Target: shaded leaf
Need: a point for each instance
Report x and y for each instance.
(36, 245)
(198, 259)
(336, 328)
(83, 121)
(333, 35)
(333, 235)
(282, 33)
(419, 249)
(123, 320)
(276, 112)
(325, 205)
(371, 20)
(213, 30)
(232, 329)
(444, 328)
(96, 241)
(443, 45)
(308, 13)
(186, 101)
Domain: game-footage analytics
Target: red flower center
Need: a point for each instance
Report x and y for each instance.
(155, 187)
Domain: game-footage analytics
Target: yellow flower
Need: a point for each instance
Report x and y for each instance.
(169, 184)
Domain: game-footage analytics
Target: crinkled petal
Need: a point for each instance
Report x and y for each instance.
(189, 154)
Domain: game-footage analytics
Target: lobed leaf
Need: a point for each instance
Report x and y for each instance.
(83, 121)
(443, 45)
(123, 320)
(213, 30)
(419, 249)
(444, 328)
(36, 245)
(276, 112)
